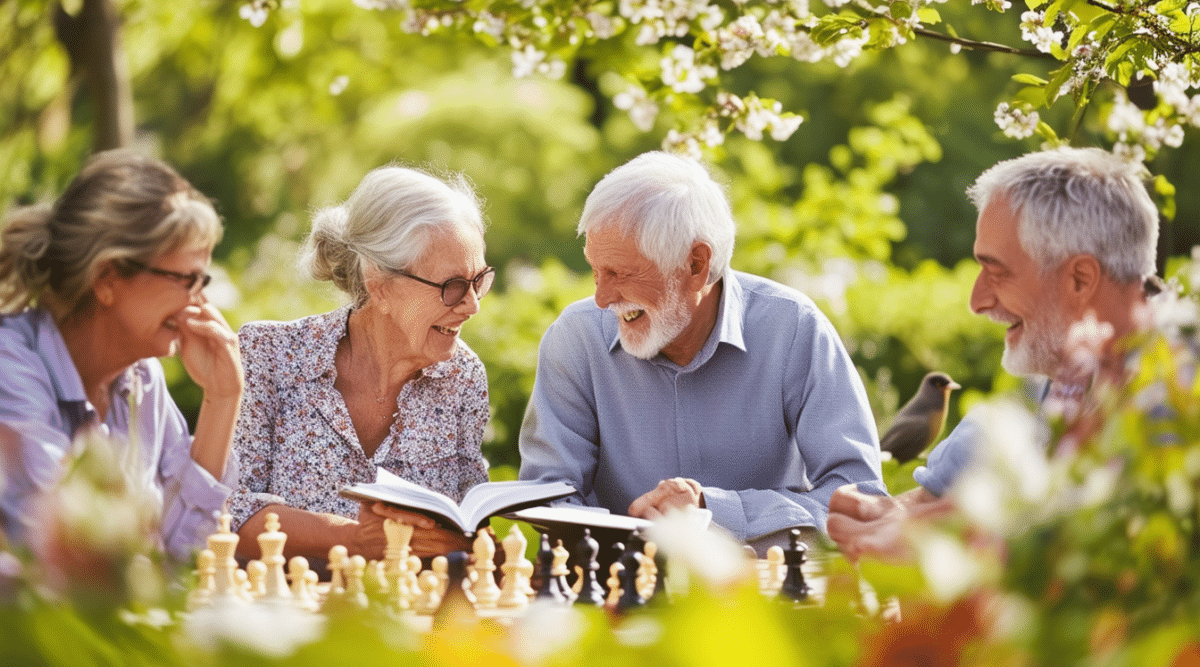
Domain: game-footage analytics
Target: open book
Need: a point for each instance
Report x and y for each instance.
(480, 502)
(556, 518)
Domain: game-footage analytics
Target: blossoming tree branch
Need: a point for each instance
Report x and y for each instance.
(681, 50)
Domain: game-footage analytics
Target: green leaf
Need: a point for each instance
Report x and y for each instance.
(1168, 6)
(1034, 96)
(900, 10)
(1029, 79)
(1047, 132)
(1165, 189)
(929, 15)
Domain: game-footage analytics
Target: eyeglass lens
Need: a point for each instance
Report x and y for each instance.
(455, 289)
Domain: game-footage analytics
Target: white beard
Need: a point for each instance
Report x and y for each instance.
(1038, 350)
(667, 321)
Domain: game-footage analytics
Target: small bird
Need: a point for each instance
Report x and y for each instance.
(920, 421)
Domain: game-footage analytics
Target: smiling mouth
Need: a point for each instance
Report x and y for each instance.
(449, 331)
(631, 315)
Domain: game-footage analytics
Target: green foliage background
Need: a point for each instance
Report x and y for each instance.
(862, 207)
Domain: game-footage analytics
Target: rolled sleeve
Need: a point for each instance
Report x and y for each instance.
(951, 456)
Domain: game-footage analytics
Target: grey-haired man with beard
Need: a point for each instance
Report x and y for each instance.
(685, 383)
(1063, 235)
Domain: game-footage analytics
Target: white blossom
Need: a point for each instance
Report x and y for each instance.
(602, 25)
(338, 85)
(711, 133)
(489, 24)
(1129, 152)
(271, 630)
(1014, 122)
(681, 72)
(686, 144)
(642, 110)
(847, 49)
(948, 568)
(255, 13)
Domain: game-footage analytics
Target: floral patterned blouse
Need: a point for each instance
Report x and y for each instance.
(296, 445)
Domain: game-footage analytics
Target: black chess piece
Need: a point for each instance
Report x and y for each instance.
(564, 586)
(631, 598)
(548, 585)
(794, 588)
(590, 592)
(457, 597)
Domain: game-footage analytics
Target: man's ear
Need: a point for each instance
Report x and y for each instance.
(699, 261)
(1084, 275)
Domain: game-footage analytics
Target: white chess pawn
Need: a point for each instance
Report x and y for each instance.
(201, 595)
(441, 569)
(486, 592)
(337, 563)
(430, 593)
(256, 576)
(513, 593)
(356, 594)
(560, 571)
(776, 570)
(614, 584)
(410, 568)
(298, 574)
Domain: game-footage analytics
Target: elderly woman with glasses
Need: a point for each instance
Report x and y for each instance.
(92, 289)
(384, 382)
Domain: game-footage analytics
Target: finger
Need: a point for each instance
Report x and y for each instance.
(652, 513)
(414, 519)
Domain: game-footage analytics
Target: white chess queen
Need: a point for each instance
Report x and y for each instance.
(92, 289)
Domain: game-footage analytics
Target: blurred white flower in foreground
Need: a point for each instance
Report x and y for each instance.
(686, 540)
(546, 630)
(949, 568)
(272, 630)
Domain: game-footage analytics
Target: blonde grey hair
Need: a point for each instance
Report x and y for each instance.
(1070, 201)
(389, 222)
(667, 203)
(122, 208)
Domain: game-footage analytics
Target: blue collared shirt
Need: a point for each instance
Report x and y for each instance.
(42, 400)
(770, 416)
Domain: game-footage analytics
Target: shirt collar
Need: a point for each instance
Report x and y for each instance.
(730, 321)
(321, 346)
(68, 385)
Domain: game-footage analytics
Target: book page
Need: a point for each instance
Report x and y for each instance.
(484, 500)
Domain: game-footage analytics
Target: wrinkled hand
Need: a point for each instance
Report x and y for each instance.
(674, 493)
(428, 538)
(848, 500)
(209, 351)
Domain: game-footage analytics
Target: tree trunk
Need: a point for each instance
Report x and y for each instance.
(92, 39)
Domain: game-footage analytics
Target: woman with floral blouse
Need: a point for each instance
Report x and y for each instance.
(382, 382)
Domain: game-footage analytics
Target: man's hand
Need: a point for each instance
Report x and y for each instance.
(674, 493)
(848, 500)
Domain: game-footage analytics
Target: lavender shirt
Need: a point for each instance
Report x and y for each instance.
(42, 399)
(770, 416)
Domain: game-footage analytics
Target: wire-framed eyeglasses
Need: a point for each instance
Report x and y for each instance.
(455, 289)
(193, 282)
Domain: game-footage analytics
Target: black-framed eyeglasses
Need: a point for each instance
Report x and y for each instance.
(192, 282)
(455, 289)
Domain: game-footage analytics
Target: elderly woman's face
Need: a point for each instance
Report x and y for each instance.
(426, 326)
(146, 308)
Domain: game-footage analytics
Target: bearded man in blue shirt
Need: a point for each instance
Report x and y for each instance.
(685, 383)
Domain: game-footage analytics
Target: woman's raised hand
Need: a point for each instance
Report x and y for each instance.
(209, 350)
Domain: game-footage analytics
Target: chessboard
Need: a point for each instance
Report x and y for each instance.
(475, 581)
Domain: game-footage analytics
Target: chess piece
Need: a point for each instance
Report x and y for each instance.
(616, 573)
(256, 574)
(356, 593)
(429, 585)
(337, 564)
(401, 586)
(559, 570)
(590, 591)
(631, 598)
(457, 600)
(548, 585)
(271, 543)
(513, 593)
(794, 588)
(486, 592)
(202, 594)
(775, 569)
(222, 544)
(647, 575)
(298, 574)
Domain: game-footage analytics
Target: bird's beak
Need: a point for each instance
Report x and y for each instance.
(953, 385)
